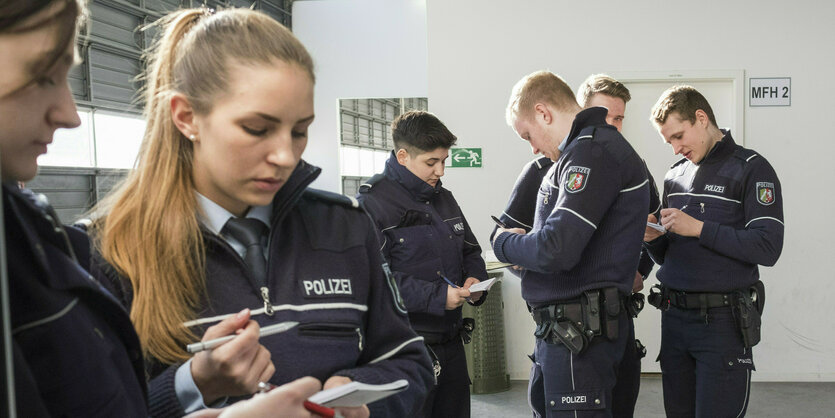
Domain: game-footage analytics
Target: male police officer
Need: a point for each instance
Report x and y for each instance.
(723, 212)
(431, 249)
(602, 90)
(579, 258)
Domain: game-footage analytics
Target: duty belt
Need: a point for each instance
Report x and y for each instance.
(698, 300)
(663, 297)
(574, 323)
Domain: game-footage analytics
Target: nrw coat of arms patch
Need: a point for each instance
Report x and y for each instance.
(576, 178)
(765, 193)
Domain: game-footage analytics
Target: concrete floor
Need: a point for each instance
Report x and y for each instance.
(768, 399)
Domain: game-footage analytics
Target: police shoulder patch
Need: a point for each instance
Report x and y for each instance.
(576, 178)
(765, 193)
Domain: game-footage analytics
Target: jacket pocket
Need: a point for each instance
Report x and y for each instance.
(333, 330)
(412, 245)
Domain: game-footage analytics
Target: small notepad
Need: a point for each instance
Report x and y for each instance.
(357, 394)
(482, 286)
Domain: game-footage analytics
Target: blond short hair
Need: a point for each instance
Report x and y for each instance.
(601, 84)
(539, 87)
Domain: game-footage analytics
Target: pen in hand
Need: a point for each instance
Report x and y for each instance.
(499, 222)
(449, 282)
(265, 331)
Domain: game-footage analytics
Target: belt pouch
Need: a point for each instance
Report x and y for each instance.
(611, 300)
(592, 313)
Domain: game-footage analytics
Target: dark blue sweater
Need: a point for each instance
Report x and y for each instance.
(519, 212)
(425, 235)
(737, 194)
(590, 217)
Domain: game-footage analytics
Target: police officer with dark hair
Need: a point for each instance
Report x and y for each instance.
(580, 256)
(431, 250)
(723, 214)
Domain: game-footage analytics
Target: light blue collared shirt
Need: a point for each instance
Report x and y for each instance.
(213, 217)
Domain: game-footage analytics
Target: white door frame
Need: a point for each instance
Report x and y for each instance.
(737, 77)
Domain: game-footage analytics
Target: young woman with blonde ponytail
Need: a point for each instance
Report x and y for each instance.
(229, 98)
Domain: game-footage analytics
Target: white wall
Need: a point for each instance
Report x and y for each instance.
(479, 49)
(361, 48)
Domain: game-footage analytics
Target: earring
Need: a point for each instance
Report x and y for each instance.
(192, 137)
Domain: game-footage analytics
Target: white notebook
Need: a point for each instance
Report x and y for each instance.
(481, 286)
(357, 394)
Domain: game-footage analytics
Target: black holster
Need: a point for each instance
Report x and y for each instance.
(575, 323)
(658, 297)
(747, 308)
(635, 304)
(467, 329)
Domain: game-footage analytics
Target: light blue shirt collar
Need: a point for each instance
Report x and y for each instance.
(215, 217)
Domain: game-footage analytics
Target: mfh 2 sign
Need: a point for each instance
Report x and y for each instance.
(770, 91)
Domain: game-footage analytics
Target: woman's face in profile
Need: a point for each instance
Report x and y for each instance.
(30, 115)
(251, 141)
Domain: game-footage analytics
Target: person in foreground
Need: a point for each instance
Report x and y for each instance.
(74, 350)
(217, 222)
(580, 257)
(604, 91)
(431, 250)
(723, 215)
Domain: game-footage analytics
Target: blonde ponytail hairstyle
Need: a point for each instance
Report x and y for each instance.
(148, 229)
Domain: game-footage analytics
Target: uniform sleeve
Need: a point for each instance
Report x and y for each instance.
(391, 350)
(589, 182)
(473, 263)
(657, 248)
(162, 395)
(645, 263)
(760, 240)
(521, 206)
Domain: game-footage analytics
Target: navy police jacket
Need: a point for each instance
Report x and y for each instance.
(737, 195)
(425, 236)
(590, 216)
(519, 212)
(324, 271)
(75, 351)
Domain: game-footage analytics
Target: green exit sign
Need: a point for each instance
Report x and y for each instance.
(465, 157)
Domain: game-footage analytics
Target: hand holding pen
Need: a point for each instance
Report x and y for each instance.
(503, 227)
(456, 295)
(235, 367)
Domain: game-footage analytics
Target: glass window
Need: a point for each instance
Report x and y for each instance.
(117, 139)
(365, 136)
(71, 147)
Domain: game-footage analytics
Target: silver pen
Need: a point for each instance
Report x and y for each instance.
(265, 331)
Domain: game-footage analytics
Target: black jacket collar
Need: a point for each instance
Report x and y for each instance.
(723, 148)
(418, 188)
(289, 194)
(592, 116)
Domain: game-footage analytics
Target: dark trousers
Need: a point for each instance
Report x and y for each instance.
(450, 398)
(706, 369)
(563, 384)
(625, 392)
